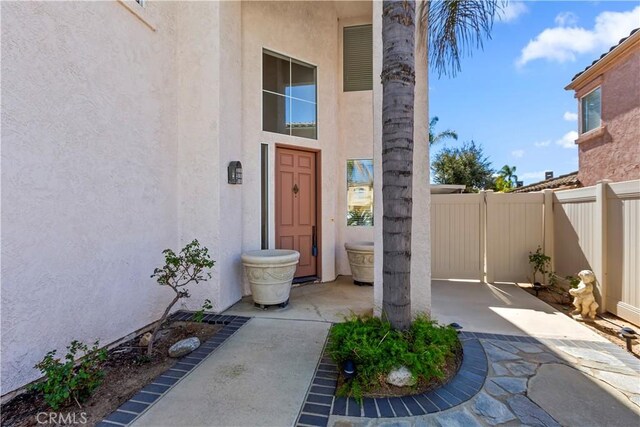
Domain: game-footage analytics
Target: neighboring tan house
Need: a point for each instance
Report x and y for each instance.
(119, 122)
(608, 93)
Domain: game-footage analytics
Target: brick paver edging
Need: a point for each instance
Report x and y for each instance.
(141, 401)
(321, 402)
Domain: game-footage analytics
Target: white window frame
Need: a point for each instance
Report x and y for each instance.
(291, 59)
(581, 115)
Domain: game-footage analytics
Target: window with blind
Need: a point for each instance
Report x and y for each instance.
(357, 61)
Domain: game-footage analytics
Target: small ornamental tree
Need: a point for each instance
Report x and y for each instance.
(539, 263)
(180, 270)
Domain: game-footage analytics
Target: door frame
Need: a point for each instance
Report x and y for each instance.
(318, 155)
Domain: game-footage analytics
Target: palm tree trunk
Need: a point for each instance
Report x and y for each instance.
(398, 85)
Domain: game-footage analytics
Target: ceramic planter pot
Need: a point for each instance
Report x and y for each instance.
(361, 262)
(270, 273)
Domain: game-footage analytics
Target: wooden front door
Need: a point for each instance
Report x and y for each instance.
(296, 207)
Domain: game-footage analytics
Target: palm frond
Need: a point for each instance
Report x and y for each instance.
(452, 29)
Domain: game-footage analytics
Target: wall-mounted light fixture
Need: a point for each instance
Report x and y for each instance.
(234, 172)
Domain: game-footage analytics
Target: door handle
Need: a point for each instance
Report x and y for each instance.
(295, 189)
(314, 241)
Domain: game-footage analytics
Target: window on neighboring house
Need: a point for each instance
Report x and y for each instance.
(591, 107)
(360, 192)
(357, 63)
(288, 96)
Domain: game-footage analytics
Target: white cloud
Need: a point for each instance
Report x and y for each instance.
(531, 175)
(517, 153)
(512, 11)
(570, 117)
(568, 140)
(542, 143)
(565, 19)
(566, 40)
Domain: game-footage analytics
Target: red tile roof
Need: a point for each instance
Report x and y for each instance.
(569, 180)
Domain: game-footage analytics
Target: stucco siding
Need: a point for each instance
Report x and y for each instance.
(89, 197)
(306, 31)
(616, 154)
(356, 142)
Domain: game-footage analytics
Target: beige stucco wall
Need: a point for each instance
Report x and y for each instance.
(117, 129)
(116, 132)
(615, 155)
(305, 31)
(89, 197)
(355, 142)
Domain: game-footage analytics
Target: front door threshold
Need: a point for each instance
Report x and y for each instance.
(305, 279)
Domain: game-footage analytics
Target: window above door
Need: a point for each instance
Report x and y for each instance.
(289, 91)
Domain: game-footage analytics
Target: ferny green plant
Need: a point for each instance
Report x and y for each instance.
(376, 348)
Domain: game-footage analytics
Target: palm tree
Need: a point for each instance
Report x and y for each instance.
(435, 138)
(398, 87)
(508, 173)
(452, 26)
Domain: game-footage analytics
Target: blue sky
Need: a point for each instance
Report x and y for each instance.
(510, 96)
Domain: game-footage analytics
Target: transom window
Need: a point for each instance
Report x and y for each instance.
(288, 96)
(591, 107)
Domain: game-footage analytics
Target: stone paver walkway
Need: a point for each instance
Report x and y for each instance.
(549, 383)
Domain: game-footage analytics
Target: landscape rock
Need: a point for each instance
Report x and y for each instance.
(493, 411)
(144, 340)
(184, 347)
(530, 413)
(401, 377)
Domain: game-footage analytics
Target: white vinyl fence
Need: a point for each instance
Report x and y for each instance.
(598, 228)
(488, 237)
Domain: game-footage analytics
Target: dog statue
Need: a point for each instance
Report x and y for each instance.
(584, 301)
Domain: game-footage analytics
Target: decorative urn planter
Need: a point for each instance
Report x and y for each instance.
(270, 273)
(361, 262)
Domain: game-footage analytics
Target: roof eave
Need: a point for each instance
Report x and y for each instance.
(595, 69)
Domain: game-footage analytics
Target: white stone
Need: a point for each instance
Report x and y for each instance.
(184, 347)
(144, 340)
(584, 301)
(270, 273)
(401, 377)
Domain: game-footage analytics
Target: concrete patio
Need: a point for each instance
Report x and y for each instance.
(543, 368)
(478, 307)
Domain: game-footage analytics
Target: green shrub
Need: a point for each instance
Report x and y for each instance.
(64, 381)
(376, 348)
(198, 316)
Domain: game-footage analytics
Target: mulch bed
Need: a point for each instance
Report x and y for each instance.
(387, 390)
(606, 324)
(127, 370)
